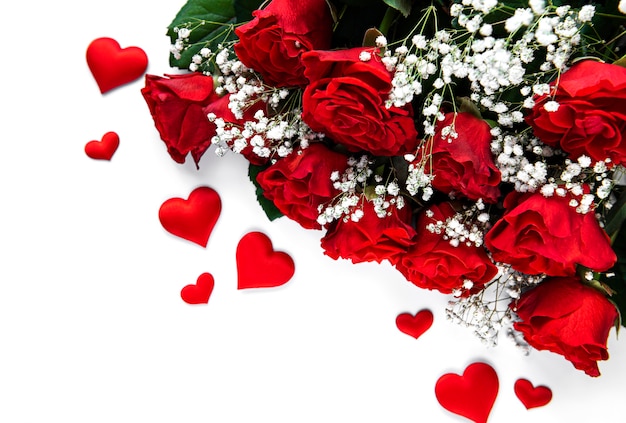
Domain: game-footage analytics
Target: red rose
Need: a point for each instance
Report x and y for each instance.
(346, 101)
(432, 262)
(177, 103)
(464, 164)
(372, 238)
(272, 42)
(566, 317)
(591, 118)
(547, 235)
(300, 182)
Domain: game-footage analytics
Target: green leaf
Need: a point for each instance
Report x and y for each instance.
(404, 6)
(212, 23)
(268, 207)
(244, 9)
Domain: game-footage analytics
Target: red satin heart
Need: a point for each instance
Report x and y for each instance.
(416, 325)
(471, 395)
(104, 149)
(532, 396)
(112, 66)
(192, 219)
(200, 292)
(258, 265)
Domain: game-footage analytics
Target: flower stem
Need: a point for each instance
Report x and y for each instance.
(385, 24)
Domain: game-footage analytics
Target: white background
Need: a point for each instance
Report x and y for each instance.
(92, 327)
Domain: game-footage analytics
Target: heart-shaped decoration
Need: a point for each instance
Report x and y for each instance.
(258, 265)
(192, 219)
(471, 395)
(530, 395)
(112, 66)
(200, 292)
(103, 149)
(416, 325)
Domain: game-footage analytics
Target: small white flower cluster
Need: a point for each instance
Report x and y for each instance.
(269, 137)
(511, 151)
(522, 161)
(589, 183)
(466, 228)
(182, 39)
(386, 196)
(418, 180)
(351, 183)
(493, 66)
(205, 59)
(489, 311)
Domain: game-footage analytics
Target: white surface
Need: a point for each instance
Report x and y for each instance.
(92, 327)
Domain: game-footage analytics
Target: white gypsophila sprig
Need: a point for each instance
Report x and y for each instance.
(358, 184)
(493, 66)
(352, 183)
(521, 159)
(466, 227)
(488, 311)
(268, 137)
(418, 180)
(205, 59)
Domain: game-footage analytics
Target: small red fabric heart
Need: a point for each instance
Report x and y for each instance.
(200, 292)
(112, 66)
(103, 149)
(192, 219)
(259, 266)
(416, 325)
(532, 396)
(471, 395)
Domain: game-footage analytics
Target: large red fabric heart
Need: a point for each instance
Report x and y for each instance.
(258, 265)
(192, 219)
(471, 395)
(200, 292)
(103, 149)
(532, 396)
(416, 325)
(112, 66)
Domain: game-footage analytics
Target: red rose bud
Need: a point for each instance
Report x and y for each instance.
(433, 262)
(591, 115)
(346, 100)
(539, 234)
(372, 238)
(566, 317)
(176, 103)
(300, 182)
(462, 162)
(272, 43)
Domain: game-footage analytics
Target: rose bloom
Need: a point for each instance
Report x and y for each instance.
(546, 235)
(272, 42)
(591, 116)
(299, 183)
(177, 103)
(346, 100)
(433, 263)
(372, 238)
(464, 164)
(566, 317)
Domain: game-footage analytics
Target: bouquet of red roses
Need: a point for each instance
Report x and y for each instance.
(478, 146)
